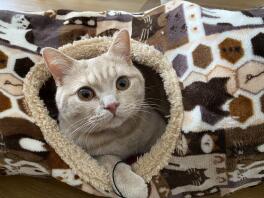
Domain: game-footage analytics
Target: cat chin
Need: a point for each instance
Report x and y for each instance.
(115, 122)
(112, 124)
(110, 121)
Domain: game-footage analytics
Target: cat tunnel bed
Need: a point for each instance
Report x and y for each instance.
(77, 159)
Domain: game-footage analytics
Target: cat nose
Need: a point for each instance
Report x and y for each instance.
(112, 107)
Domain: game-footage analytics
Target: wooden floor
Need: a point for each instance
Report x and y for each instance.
(26, 187)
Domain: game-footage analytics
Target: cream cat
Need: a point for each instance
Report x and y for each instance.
(102, 109)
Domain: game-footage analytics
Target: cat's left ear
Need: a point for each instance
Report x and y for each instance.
(58, 63)
(121, 46)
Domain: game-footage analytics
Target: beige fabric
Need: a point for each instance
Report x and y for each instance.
(82, 163)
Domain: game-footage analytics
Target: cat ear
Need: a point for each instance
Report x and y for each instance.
(57, 63)
(121, 45)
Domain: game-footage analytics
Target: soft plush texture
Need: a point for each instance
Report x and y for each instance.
(218, 56)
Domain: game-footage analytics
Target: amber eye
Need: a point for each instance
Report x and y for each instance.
(86, 93)
(122, 83)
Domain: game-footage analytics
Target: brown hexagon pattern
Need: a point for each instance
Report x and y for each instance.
(250, 77)
(241, 108)
(3, 60)
(23, 107)
(262, 103)
(5, 102)
(231, 50)
(202, 56)
(221, 71)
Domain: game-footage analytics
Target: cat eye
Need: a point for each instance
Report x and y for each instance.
(86, 93)
(122, 83)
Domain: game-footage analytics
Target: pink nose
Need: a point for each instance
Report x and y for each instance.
(112, 107)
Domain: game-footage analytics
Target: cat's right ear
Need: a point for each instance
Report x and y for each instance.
(58, 63)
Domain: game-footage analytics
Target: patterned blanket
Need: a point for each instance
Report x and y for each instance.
(218, 56)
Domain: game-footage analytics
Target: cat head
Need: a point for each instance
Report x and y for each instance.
(98, 93)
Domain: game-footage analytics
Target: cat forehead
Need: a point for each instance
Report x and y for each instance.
(106, 59)
(105, 65)
(101, 74)
(97, 72)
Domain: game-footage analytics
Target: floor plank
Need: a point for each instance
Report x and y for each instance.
(29, 187)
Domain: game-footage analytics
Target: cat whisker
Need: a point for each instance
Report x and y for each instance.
(80, 122)
(137, 110)
(91, 121)
(147, 34)
(92, 125)
(82, 119)
(155, 100)
(153, 108)
(142, 35)
(151, 105)
(95, 123)
(82, 127)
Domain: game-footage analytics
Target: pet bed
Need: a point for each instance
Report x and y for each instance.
(218, 58)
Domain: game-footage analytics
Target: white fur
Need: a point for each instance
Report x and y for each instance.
(108, 99)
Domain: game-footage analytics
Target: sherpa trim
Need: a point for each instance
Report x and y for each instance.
(82, 163)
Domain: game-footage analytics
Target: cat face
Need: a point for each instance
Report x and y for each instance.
(99, 93)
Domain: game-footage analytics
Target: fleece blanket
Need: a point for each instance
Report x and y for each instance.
(218, 56)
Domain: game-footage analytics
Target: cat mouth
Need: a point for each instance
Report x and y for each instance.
(116, 120)
(114, 117)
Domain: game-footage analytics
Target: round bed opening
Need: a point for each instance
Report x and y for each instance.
(162, 89)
